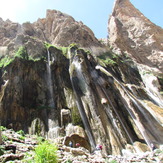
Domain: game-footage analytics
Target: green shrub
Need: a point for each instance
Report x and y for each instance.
(40, 139)
(22, 138)
(4, 138)
(46, 152)
(107, 58)
(5, 61)
(2, 128)
(113, 161)
(47, 45)
(1, 150)
(76, 119)
(21, 132)
(22, 53)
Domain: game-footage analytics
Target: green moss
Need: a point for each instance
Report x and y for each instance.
(5, 61)
(37, 59)
(4, 138)
(107, 58)
(38, 128)
(21, 132)
(48, 45)
(22, 53)
(2, 150)
(76, 119)
(73, 45)
(2, 128)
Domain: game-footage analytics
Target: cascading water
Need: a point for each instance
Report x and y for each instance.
(49, 81)
(147, 130)
(52, 122)
(100, 81)
(80, 106)
(151, 88)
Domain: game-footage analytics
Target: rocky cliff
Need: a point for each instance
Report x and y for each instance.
(117, 103)
(131, 32)
(57, 28)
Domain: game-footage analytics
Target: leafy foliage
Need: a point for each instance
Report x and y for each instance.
(46, 152)
(22, 53)
(5, 61)
(21, 132)
(1, 150)
(2, 128)
(107, 58)
(4, 138)
(76, 119)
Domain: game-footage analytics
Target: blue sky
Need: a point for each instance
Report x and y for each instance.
(93, 13)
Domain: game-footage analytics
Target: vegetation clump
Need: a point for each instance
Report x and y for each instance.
(46, 152)
(5, 61)
(107, 58)
(22, 53)
(76, 119)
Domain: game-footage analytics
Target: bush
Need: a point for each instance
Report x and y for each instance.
(46, 152)
(22, 53)
(5, 61)
(21, 132)
(1, 150)
(2, 128)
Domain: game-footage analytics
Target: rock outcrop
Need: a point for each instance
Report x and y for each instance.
(57, 28)
(132, 33)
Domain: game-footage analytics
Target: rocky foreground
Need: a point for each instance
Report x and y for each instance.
(19, 148)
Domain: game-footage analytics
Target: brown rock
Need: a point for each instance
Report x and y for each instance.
(140, 147)
(131, 32)
(55, 29)
(76, 139)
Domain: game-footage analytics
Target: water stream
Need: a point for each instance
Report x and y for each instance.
(79, 102)
(49, 82)
(151, 130)
(52, 121)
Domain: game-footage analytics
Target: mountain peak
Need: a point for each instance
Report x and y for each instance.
(131, 32)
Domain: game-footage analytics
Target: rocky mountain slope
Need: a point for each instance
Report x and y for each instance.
(131, 32)
(48, 82)
(57, 28)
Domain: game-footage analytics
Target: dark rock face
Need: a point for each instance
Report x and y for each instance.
(106, 94)
(131, 32)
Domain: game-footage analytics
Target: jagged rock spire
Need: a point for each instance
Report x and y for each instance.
(131, 32)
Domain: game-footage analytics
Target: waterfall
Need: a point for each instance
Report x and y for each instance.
(147, 132)
(79, 103)
(52, 119)
(49, 81)
(152, 91)
(100, 81)
(151, 85)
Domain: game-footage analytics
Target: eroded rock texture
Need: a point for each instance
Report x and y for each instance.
(57, 28)
(131, 32)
